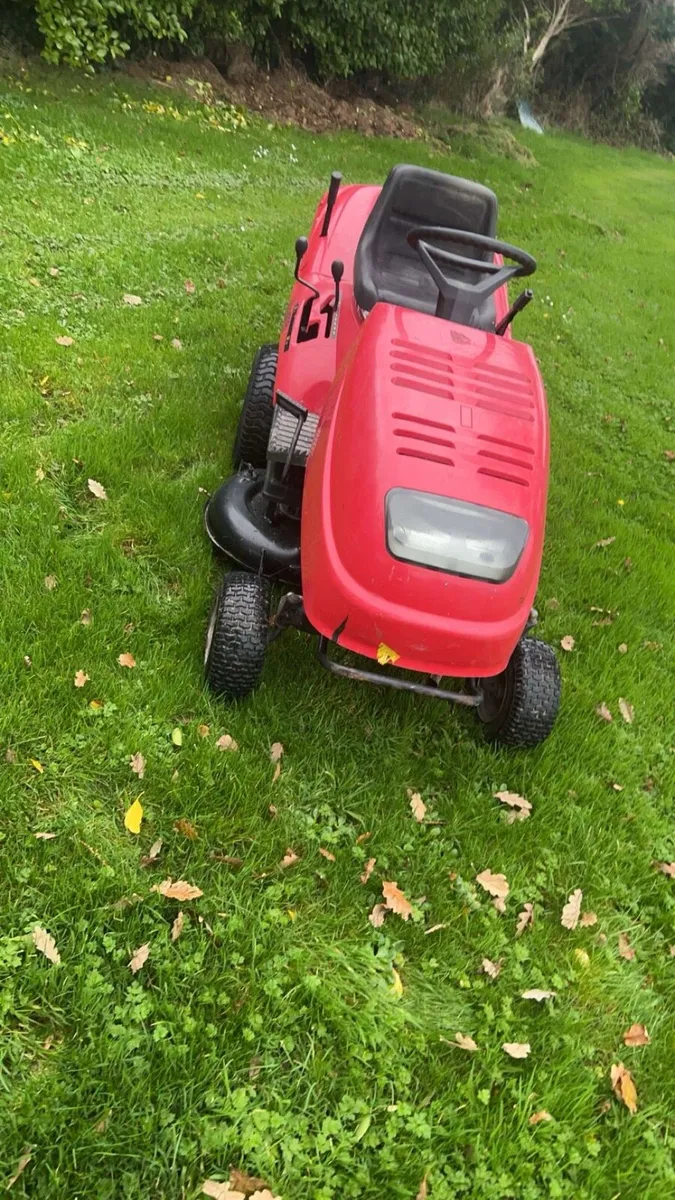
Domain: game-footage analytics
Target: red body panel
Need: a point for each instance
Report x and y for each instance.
(409, 400)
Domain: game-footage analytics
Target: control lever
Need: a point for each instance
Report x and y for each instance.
(300, 251)
(337, 270)
(518, 305)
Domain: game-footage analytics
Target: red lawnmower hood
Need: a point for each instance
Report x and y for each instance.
(440, 408)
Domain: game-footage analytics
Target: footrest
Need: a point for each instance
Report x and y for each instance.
(284, 426)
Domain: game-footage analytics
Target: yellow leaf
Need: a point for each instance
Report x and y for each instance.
(133, 817)
(177, 736)
(385, 654)
(38, 766)
(397, 985)
(624, 1087)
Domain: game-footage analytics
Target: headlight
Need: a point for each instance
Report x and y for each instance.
(454, 536)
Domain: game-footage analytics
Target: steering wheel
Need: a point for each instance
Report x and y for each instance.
(457, 298)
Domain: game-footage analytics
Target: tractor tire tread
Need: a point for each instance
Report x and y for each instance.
(255, 418)
(237, 653)
(535, 697)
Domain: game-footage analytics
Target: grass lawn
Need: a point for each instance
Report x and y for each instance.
(273, 1034)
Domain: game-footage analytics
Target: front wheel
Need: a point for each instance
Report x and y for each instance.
(519, 707)
(236, 638)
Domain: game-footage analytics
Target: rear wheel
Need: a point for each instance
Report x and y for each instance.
(255, 419)
(520, 706)
(236, 638)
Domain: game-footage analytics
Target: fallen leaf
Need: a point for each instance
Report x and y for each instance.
(567, 643)
(290, 859)
(39, 474)
(45, 943)
(137, 764)
(126, 660)
(44, 837)
(153, 853)
(180, 890)
(667, 868)
(139, 957)
(604, 542)
(617, 787)
(80, 679)
(157, 337)
(652, 646)
(435, 928)
(582, 957)
(423, 1191)
(519, 803)
(376, 917)
(276, 751)
(245, 1183)
(525, 918)
(572, 910)
(276, 776)
(385, 654)
(133, 817)
(626, 710)
(230, 860)
(54, 272)
(625, 949)
(462, 1041)
(669, 455)
(37, 765)
(603, 711)
(186, 828)
(177, 927)
(64, 340)
(220, 1191)
(203, 730)
(134, 301)
(11, 756)
(542, 1115)
(496, 885)
(537, 994)
(177, 736)
(97, 489)
(588, 918)
(395, 899)
(491, 968)
(96, 704)
(254, 1068)
(368, 870)
(624, 1087)
(176, 343)
(20, 1168)
(327, 854)
(553, 603)
(86, 617)
(417, 805)
(637, 1035)
(517, 1049)
(363, 837)
(500, 904)
(397, 985)
(227, 743)
(189, 286)
(265, 1194)
(50, 582)
(623, 648)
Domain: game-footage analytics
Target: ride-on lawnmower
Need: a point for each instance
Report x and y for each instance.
(392, 462)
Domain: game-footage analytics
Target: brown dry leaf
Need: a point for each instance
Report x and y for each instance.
(50, 582)
(519, 803)
(153, 853)
(11, 756)
(417, 805)
(45, 943)
(176, 343)
(180, 890)
(603, 711)
(327, 854)
(435, 928)
(276, 751)
(525, 918)
(669, 455)
(567, 643)
(491, 968)
(44, 837)
(517, 1049)
(134, 301)
(542, 1115)
(139, 957)
(290, 859)
(368, 870)
(625, 949)
(604, 542)
(186, 828)
(462, 1041)
(265, 1194)
(245, 1183)
(203, 730)
(395, 899)
(226, 742)
(64, 340)
(230, 860)
(126, 660)
(496, 885)
(189, 286)
(363, 837)
(20, 1168)
(500, 904)
(86, 617)
(637, 1035)
(667, 868)
(220, 1191)
(587, 919)
(376, 917)
(424, 1191)
(137, 764)
(177, 927)
(97, 489)
(624, 1087)
(277, 773)
(626, 710)
(537, 994)
(80, 679)
(572, 910)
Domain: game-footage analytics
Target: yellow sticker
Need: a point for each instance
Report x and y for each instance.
(133, 817)
(385, 654)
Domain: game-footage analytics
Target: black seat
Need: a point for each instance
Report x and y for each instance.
(386, 268)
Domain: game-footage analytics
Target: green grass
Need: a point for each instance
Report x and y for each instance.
(140, 1087)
